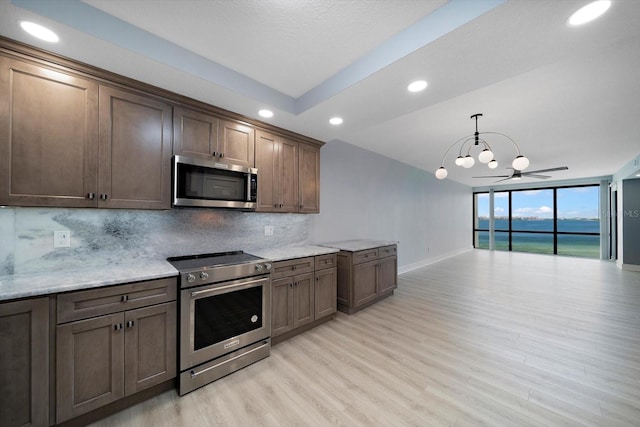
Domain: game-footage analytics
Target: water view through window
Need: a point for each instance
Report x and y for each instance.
(561, 221)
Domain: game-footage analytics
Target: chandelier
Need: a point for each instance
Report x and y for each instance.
(475, 142)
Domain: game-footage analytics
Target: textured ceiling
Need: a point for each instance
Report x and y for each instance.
(568, 96)
(289, 45)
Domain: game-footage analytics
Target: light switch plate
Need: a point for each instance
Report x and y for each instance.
(62, 239)
(268, 230)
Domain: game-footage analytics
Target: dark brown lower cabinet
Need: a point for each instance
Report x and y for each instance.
(326, 302)
(102, 359)
(366, 276)
(24, 363)
(300, 294)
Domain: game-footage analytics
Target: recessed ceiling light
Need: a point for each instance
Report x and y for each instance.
(588, 13)
(335, 121)
(266, 113)
(417, 86)
(39, 31)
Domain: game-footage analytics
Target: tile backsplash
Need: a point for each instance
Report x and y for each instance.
(103, 236)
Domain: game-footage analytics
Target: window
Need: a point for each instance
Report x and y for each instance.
(561, 220)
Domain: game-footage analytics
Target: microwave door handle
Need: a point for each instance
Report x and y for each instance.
(248, 193)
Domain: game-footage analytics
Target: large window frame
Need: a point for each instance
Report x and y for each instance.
(510, 231)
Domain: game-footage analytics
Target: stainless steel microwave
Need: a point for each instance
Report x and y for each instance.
(205, 183)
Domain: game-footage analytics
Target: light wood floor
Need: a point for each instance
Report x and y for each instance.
(499, 339)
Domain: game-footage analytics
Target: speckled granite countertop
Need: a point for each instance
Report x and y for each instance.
(358, 245)
(281, 254)
(31, 285)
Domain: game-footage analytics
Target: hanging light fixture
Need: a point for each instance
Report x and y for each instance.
(486, 156)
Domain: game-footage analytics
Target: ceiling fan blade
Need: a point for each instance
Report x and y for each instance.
(561, 168)
(492, 176)
(536, 176)
(500, 180)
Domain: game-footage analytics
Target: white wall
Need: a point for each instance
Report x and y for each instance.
(367, 196)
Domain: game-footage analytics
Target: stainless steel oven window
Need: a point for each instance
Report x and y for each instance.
(220, 317)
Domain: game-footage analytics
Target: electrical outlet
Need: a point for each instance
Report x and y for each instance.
(268, 230)
(62, 239)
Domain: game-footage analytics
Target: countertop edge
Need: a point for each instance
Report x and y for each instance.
(39, 285)
(358, 244)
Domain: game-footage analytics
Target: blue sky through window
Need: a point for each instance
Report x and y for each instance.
(573, 202)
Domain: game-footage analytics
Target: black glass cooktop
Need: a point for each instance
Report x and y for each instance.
(189, 262)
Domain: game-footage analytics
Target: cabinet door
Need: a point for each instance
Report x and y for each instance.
(281, 306)
(289, 176)
(195, 134)
(326, 301)
(236, 144)
(89, 365)
(24, 363)
(134, 169)
(150, 346)
(303, 299)
(309, 170)
(267, 152)
(365, 283)
(387, 275)
(48, 137)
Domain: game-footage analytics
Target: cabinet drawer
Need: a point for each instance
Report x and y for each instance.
(292, 267)
(325, 261)
(386, 251)
(112, 299)
(366, 255)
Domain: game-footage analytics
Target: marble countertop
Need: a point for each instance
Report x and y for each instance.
(281, 254)
(358, 245)
(39, 284)
(31, 285)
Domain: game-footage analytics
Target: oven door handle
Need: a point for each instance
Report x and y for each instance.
(221, 288)
(195, 373)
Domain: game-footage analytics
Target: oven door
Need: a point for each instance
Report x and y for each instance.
(219, 318)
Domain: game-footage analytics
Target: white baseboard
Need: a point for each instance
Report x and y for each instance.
(429, 261)
(630, 267)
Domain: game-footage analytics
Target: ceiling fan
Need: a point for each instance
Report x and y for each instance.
(518, 174)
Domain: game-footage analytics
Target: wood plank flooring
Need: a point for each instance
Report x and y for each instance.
(483, 338)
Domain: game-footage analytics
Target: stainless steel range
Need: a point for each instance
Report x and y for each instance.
(225, 315)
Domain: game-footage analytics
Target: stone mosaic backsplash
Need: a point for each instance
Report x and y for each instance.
(105, 236)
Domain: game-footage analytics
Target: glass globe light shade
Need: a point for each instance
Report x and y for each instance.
(485, 156)
(468, 162)
(441, 173)
(493, 164)
(520, 163)
(459, 161)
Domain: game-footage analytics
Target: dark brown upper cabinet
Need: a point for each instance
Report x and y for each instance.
(277, 163)
(66, 141)
(135, 151)
(199, 134)
(48, 137)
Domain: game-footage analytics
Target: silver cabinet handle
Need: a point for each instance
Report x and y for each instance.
(117, 326)
(124, 298)
(130, 324)
(91, 196)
